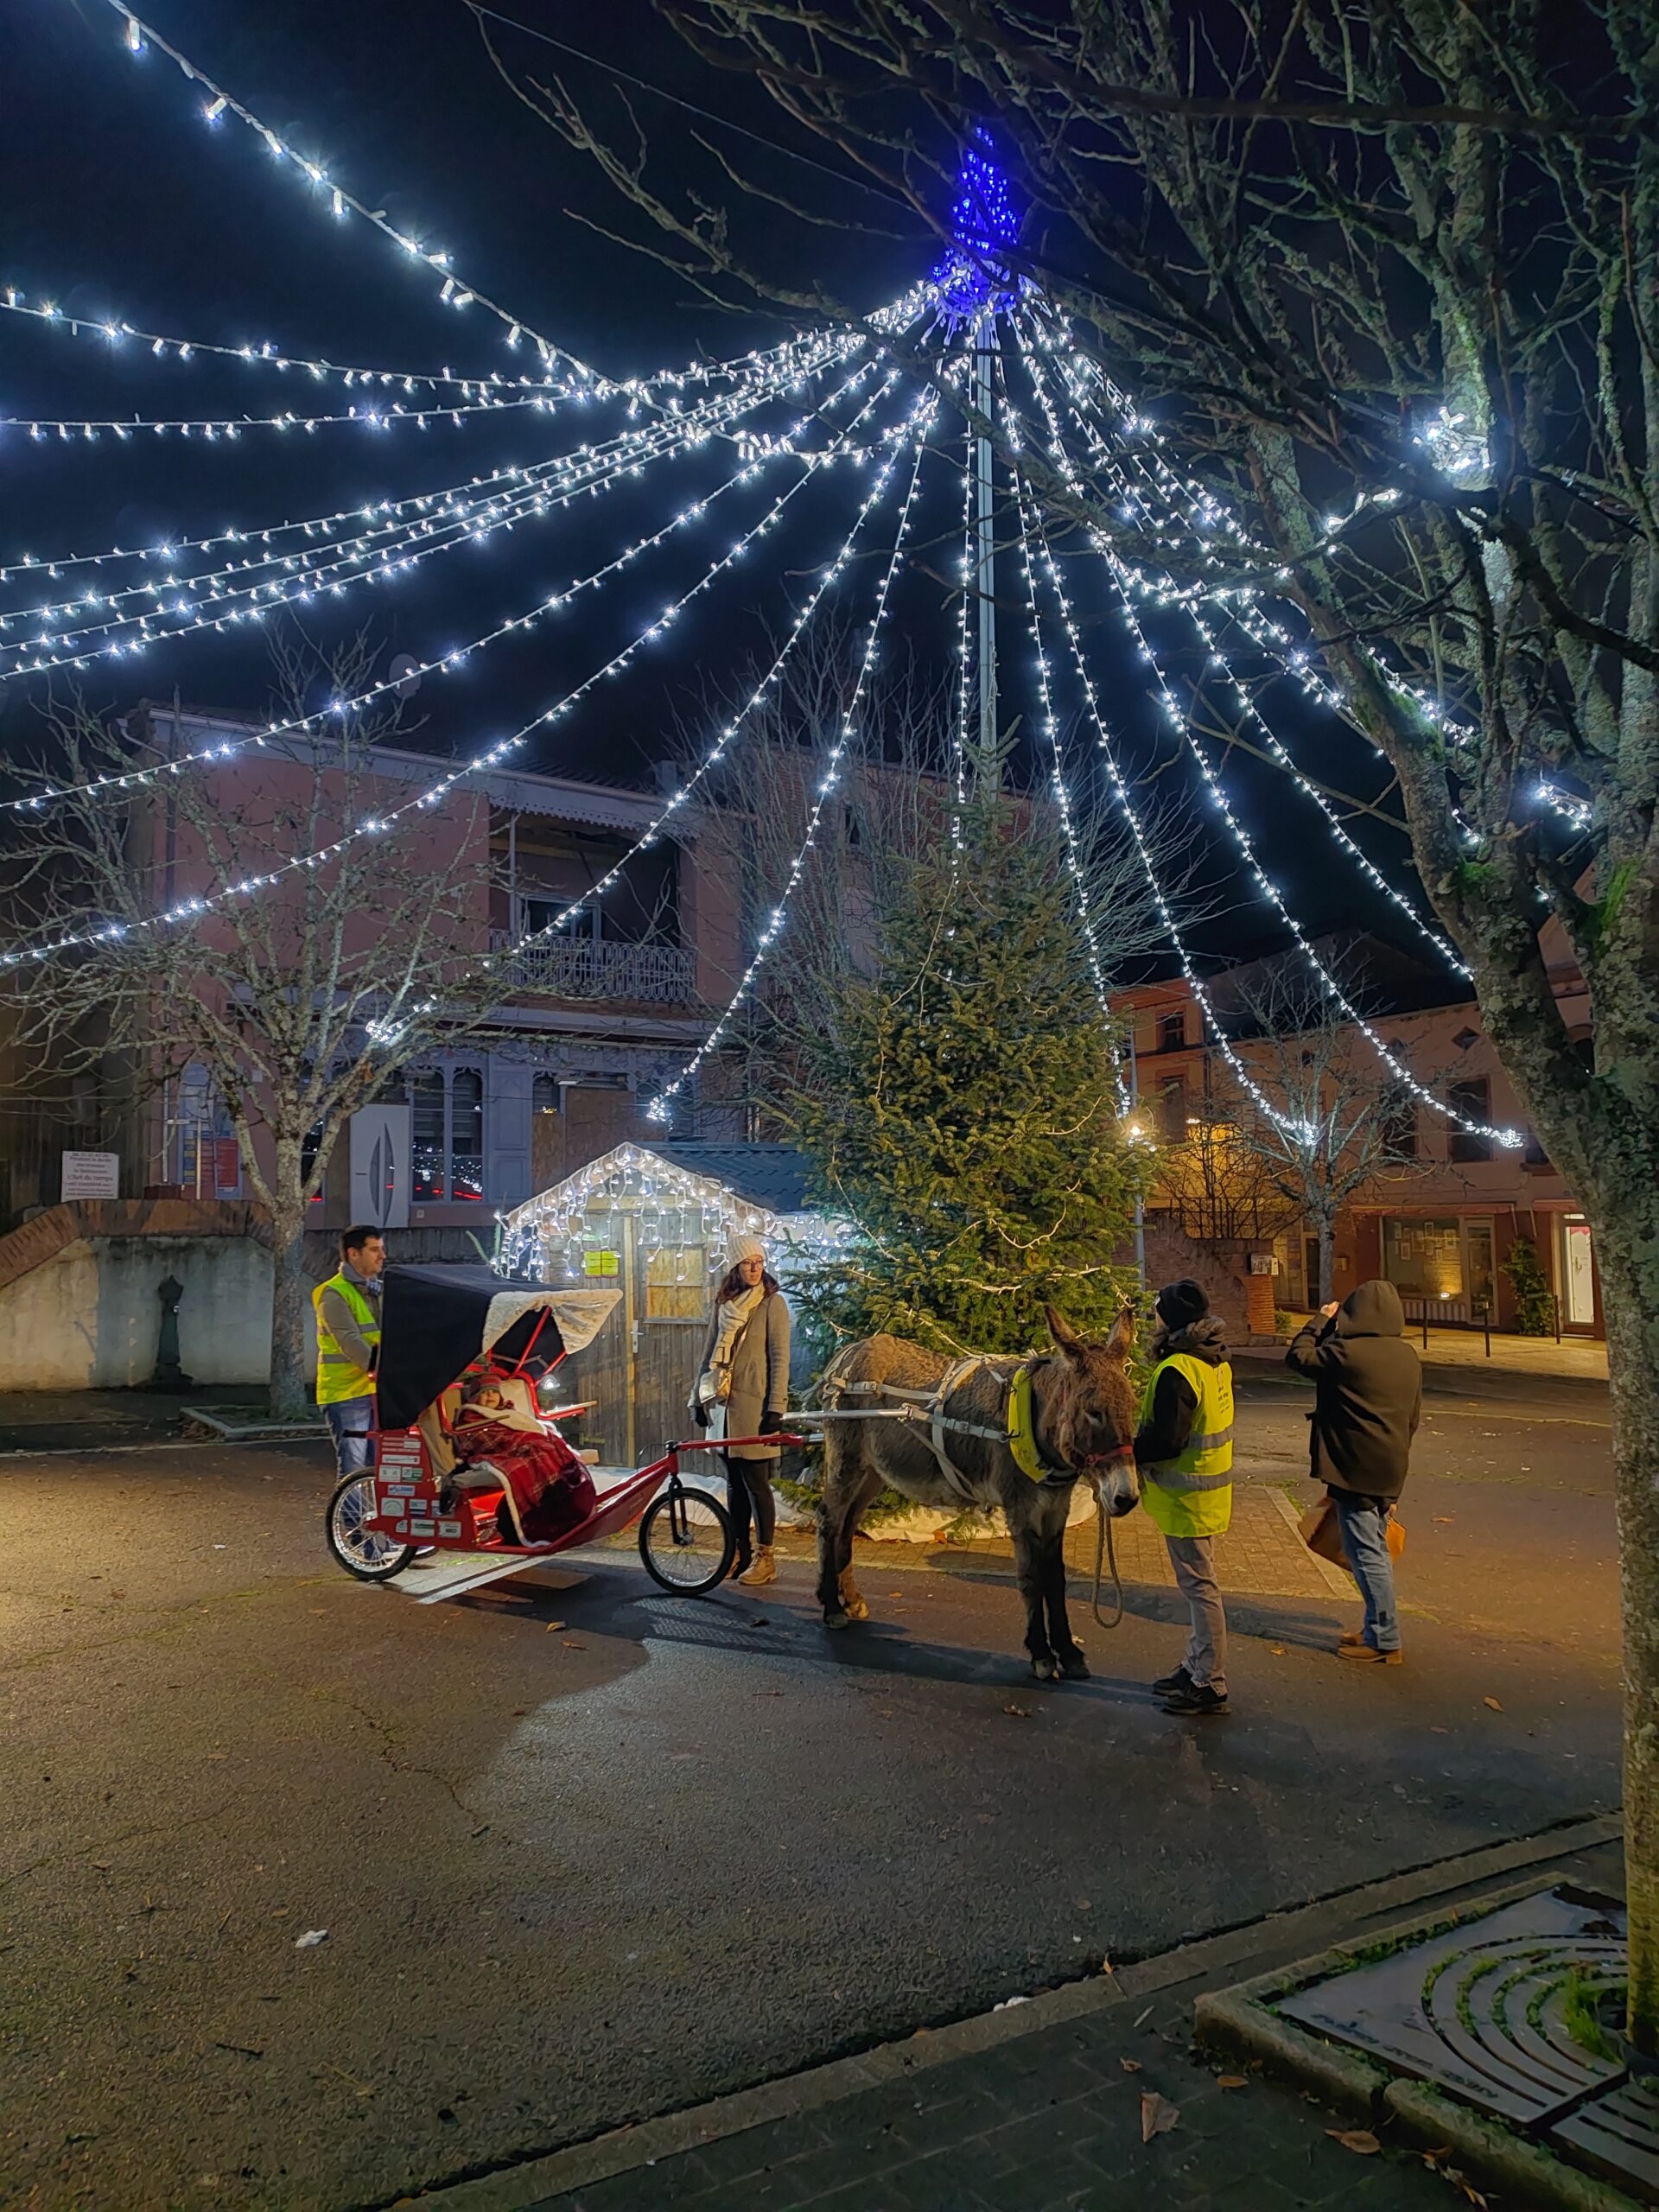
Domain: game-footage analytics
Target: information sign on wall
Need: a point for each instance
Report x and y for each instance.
(91, 1175)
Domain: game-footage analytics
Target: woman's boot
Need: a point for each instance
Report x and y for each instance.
(764, 1570)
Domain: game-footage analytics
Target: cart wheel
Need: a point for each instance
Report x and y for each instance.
(360, 1551)
(686, 1541)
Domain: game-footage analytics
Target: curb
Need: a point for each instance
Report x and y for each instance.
(638, 2145)
(1240, 2024)
(1526, 2172)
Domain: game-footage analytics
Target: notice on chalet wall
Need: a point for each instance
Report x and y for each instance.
(91, 1175)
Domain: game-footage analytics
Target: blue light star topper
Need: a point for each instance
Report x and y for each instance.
(983, 223)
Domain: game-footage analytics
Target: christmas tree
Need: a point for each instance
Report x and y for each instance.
(961, 1106)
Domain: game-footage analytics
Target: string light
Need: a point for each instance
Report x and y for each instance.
(540, 490)
(132, 780)
(661, 1106)
(731, 730)
(164, 346)
(214, 429)
(974, 278)
(193, 909)
(1063, 803)
(1194, 610)
(806, 364)
(1509, 1139)
(452, 289)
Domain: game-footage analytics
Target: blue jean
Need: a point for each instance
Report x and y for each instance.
(349, 1422)
(1364, 1525)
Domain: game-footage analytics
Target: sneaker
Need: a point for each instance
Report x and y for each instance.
(1362, 1655)
(1200, 1698)
(1175, 1685)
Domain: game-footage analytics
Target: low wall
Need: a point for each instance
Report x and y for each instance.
(88, 1318)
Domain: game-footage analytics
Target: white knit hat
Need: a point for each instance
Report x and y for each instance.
(744, 1248)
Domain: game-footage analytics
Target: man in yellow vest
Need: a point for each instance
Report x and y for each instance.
(1183, 1449)
(348, 1344)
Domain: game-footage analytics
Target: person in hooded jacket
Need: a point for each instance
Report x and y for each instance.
(1367, 1384)
(1184, 1450)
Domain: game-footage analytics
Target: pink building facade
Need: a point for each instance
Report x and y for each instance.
(601, 1010)
(1442, 1228)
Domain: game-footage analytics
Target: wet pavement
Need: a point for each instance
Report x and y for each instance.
(585, 1855)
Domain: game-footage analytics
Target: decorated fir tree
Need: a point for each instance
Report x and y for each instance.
(961, 1108)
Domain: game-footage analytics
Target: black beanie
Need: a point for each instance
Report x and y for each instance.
(1180, 1304)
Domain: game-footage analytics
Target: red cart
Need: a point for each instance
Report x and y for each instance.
(441, 1323)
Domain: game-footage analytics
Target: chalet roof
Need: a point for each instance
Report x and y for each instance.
(770, 1175)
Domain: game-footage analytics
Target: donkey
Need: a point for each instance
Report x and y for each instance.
(1083, 1416)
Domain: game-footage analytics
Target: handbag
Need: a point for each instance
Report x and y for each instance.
(1321, 1531)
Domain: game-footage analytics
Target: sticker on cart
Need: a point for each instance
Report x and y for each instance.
(448, 1527)
(397, 1489)
(420, 1528)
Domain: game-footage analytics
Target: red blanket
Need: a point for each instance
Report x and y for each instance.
(550, 1489)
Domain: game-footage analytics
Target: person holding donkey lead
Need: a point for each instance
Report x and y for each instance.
(1368, 1386)
(1184, 1450)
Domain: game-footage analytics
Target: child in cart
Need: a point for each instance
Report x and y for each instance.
(546, 1488)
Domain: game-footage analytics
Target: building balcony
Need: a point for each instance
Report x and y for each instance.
(589, 968)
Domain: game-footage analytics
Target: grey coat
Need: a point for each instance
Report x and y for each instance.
(759, 1371)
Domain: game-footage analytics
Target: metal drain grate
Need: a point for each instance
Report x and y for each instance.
(1482, 2011)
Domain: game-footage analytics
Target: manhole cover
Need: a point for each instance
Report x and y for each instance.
(1486, 2011)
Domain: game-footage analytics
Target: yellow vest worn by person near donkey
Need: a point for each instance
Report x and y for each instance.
(1192, 1495)
(338, 1376)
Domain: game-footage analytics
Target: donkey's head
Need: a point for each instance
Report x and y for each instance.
(1090, 1409)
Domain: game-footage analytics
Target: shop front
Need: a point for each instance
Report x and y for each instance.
(1443, 1266)
(1575, 1276)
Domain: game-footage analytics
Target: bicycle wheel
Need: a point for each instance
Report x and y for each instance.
(686, 1541)
(362, 1552)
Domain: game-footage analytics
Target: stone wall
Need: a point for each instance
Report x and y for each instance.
(1244, 1302)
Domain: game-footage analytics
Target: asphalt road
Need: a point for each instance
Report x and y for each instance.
(587, 1856)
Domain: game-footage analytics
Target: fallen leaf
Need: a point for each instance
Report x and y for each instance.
(1232, 2081)
(1440, 2150)
(1130, 2065)
(1492, 1704)
(571, 1644)
(1157, 2116)
(311, 1938)
(519, 1711)
(1018, 1711)
(1442, 1520)
(1277, 1651)
(1360, 2140)
(242, 2050)
(553, 1627)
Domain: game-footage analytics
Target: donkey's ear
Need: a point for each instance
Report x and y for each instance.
(1066, 1338)
(1120, 1342)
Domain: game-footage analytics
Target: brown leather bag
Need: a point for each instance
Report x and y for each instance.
(1322, 1532)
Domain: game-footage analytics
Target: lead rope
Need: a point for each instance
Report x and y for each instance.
(1104, 1543)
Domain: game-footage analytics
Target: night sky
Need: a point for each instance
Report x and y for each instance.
(121, 202)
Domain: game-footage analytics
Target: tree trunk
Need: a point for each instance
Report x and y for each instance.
(1327, 1262)
(290, 1394)
(1628, 1252)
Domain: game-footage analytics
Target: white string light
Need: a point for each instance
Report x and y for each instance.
(964, 635)
(1509, 1139)
(731, 730)
(661, 1108)
(193, 909)
(543, 488)
(806, 360)
(136, 778)
(214, 430)
(453, 292)
(1194, 610)
(163, 347)
(1062, 801)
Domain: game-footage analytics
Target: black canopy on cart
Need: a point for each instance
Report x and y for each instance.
(435, 1321)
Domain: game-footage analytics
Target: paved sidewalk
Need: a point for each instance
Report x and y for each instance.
(1583, 1357)
(1043, 2106)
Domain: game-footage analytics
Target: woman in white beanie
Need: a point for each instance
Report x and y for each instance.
(744, 1379)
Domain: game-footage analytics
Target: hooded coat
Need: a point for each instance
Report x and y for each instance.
(1163, 1435)
(1367, 1384)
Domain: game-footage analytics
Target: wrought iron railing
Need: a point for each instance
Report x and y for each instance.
(588, 967)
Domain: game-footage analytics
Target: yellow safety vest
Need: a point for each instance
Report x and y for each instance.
(339, 1376)
(1193, 1494)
